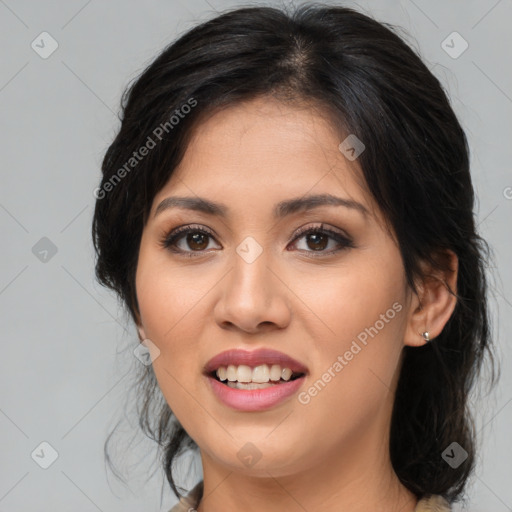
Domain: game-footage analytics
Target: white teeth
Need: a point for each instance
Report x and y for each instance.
(275, 372)
(244, 373)
(259, 374)
(230, 373)
(222, 373)
(286, 373)
(249, 385)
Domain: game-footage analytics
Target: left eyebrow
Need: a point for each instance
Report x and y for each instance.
(281, 210)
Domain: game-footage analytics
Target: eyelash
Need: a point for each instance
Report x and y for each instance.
(169, 240)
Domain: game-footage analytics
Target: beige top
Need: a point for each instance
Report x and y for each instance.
(189, 502)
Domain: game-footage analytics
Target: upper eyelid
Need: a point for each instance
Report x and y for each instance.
(322, 226)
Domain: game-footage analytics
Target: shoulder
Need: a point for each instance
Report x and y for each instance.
(189, 502)
(433, 503)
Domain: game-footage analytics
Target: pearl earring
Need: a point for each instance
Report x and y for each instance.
(426, 336)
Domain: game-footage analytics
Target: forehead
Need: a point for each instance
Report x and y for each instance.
(262, 131)
(262, 151)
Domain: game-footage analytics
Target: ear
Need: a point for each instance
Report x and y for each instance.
(142, 333)
(140, 328)
(431, 308)
(138, 322)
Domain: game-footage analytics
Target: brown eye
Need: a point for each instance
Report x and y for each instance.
(197, 241)
(194, 241)
(188, 240)
(317, 239)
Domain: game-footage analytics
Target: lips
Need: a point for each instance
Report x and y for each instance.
(254, 358)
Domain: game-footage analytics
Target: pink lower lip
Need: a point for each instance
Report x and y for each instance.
(254, 399)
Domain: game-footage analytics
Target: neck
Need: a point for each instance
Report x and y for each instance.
(355, 477)
(298, 493)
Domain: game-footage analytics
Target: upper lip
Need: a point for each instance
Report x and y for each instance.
(254, 358)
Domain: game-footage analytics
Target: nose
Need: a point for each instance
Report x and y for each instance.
(253, 298)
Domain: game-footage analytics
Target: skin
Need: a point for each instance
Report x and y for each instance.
(332, 453)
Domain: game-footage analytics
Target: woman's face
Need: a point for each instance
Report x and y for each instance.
(335, 301)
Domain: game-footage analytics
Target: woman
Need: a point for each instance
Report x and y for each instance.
(287, 214)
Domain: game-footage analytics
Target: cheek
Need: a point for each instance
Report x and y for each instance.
(171, 314)
(355, 373)
(357, 330)
(346, 301)
(169, 297)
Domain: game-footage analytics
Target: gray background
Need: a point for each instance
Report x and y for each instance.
(67, 345)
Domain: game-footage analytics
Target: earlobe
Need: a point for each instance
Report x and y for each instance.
(434, 304)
